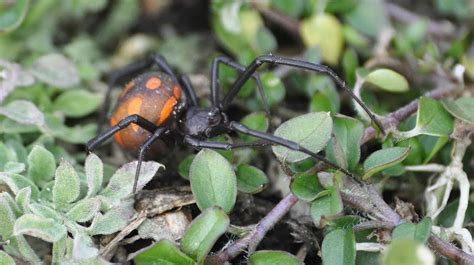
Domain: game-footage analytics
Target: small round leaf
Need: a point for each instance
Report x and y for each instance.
(203, 233)
(388, 80)
(162, 252)
(213, 181)
(250, 179)
(305, 186)
(462, 108)
(77, 103)
(273, 257)
(339, 247)
(312, 131)
(383, 159)
(56, 70)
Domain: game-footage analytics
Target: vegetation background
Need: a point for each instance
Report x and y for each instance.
(411, 62)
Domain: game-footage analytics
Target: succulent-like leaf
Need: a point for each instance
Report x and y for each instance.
(461, 108)
(213, 181)
(344, 149)
(327, 204)
(121, 183)
(203, 233)
(305, 186)
(44, 228)
(250, 179)
(339, 247)
(66, 185)
(418, 232)
(165, 252)
(312, 131)
(388, 80)
(383, 159)
(270, 257)
(41, 165)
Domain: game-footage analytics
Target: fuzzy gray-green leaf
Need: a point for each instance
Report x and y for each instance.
(7, 216)
(94, 174)
(121, 183)
(5, 259)
(112, 221)
(66, 185)
(40, 227)
(313, 131)
(56, 70)
(84, 210)
(23, 198)
(213, 181)
(24, 112)
(17, 182)
(41, 165)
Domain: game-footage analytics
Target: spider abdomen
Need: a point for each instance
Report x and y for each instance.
(153, 96)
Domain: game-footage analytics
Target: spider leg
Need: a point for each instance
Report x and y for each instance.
(215, 80)
(143, 148)
(189, 90)
(240, 128)
(122, 124)
(197, 143)
(275, 60)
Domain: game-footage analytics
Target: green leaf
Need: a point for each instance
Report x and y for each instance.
(83, 247)
(313, 132)
(305, 186)
(44, 228)
(94, 174)
(431, 119)
(5, 259)
(417, 232)
(185, 165)
(23, 112)
(45, 211)
(66, 185)
(344, 149)
(461, 108)
(324, 30)
(17, 182)
(56, 70)
(329, 204)
(383, 159)
(163, 252)
(84, 210)
(350, 62)
(77, 103)
(23, 198)
(213, 182)
(77, 135)
(255, 121)
(121, 183)
(41, 165)
(388, 80)
(203, 233)
(371, 23)
(339, 247)
(405, 251)
(112, 221)
(12, 15)
(273, 88)
(436, 147)
(13, 167)
(321, 102)
(7, 216)
(273, 257)
(59, 250)
(250, 179)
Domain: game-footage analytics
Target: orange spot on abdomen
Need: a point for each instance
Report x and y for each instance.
(134, 107)
(176, 92)
(153, 83)
(167, 109)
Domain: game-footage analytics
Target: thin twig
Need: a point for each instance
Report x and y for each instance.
(253, 238)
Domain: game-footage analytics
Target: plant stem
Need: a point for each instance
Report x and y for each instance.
(253, 238)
